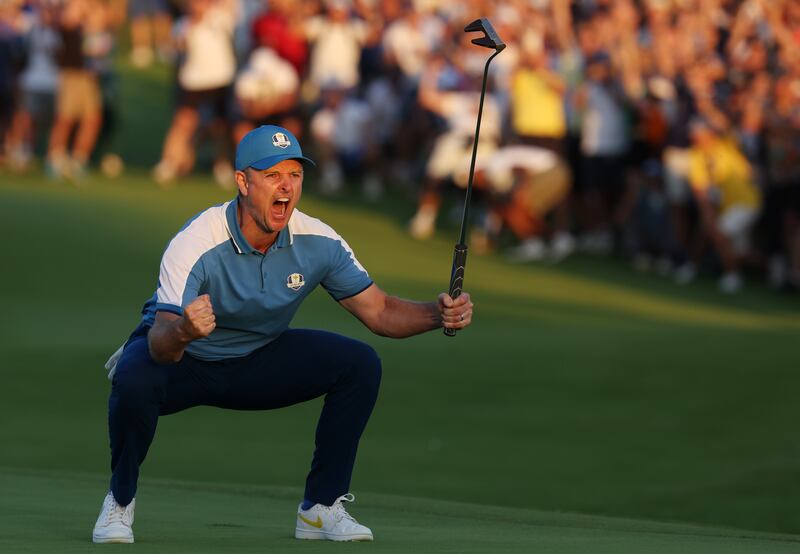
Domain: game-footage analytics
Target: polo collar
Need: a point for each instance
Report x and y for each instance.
(242, 246)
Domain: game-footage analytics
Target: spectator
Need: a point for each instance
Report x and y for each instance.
(537, 98)
(205, 75)
(452, 148)
(10, 49)
(727, 197)
(782, 201)
(409, 41)
(604, 144)
(280, 28)
(336, 38)
(79, 104)
(342, 130)
(528, 183)
(267, 89)
(610, 87)
(36, 86)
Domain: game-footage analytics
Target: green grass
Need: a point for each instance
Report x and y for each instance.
(210, 517)
(582, 388)
(618, 397)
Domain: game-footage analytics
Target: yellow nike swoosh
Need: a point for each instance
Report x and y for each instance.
(317, 524)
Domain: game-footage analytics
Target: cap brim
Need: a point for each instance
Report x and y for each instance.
(266, 163)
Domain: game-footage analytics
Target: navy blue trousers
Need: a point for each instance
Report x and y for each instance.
(299, 365)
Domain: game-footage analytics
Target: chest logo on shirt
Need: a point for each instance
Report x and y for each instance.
(281, 141)
(295, 281)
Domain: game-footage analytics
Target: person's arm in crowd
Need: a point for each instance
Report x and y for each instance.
(581, 97)
(390, 316)
(782, 33)
(630, 69)
(562, 18)
(373, 23)
(755, 104)
(552, 79)
(429, 95)
(711, 113)
(744, 25)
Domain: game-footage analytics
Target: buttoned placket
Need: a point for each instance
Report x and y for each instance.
(261, 270)
(262, 267)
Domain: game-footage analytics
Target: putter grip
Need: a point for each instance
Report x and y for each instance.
(457, 277)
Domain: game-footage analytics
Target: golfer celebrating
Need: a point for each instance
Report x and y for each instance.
(216, 333)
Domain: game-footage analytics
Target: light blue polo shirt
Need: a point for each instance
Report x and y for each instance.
(254, 295)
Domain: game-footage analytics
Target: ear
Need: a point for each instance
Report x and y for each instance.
(241, 182)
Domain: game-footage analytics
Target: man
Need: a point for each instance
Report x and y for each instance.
(527, 184)
(216, 333)
(458, 108)
(727, 197)
(205, 73)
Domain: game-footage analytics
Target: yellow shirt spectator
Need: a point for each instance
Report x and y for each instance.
(537, 109)
(723, 166)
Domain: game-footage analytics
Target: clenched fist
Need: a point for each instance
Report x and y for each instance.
(455, 314)
(198, 318)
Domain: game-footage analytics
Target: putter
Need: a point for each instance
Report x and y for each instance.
(490, 39)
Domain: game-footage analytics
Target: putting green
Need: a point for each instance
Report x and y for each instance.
(581, 388)
(54, 512)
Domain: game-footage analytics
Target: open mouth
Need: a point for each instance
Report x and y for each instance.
(279, 207)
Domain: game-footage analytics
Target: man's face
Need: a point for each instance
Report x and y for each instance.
(270, 195)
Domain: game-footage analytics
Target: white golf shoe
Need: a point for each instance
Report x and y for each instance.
(331, 523)
(114, 524)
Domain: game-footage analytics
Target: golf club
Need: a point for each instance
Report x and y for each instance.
(490, 39)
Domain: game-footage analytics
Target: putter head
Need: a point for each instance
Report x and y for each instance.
(490, 38)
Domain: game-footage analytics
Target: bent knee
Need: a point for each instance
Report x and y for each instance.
(366, 366)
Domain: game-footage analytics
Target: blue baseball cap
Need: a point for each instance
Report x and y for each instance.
(267, 145)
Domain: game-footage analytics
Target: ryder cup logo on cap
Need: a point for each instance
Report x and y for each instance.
(280, 140)
(266, 146)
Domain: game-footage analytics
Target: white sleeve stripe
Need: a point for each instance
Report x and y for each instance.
(204, 233)
(302, 224)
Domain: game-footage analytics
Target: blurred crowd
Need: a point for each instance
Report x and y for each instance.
(667, 131)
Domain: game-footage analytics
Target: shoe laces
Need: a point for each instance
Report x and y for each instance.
(338, 509)
(116, 513)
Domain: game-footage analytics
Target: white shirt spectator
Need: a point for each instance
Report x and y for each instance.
(41, 72)
(266, 77)
(501, 164)
(410, 45)
(605, 130)
(460, 109)
(336, 51)
(210, 61)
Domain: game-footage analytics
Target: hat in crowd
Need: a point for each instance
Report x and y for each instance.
(266, 146)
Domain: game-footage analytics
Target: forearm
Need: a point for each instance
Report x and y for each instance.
(394, 317)
(405, 318)
(167, 341)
